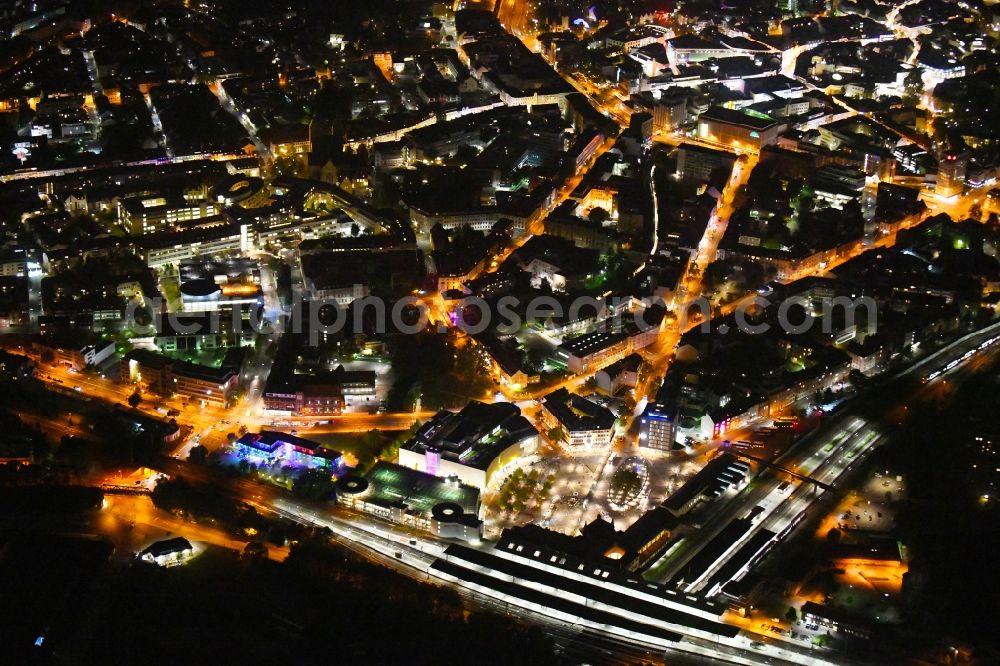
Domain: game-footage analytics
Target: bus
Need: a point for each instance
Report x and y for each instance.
(786, 422)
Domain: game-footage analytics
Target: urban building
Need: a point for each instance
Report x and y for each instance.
(288, 141)
(200, 330)
(656, 427)
(268, 447)
(76, 358)
(471, 445)
(445, 508)
(171, 249)
(742, 130)
(951, 173)
(579, 422)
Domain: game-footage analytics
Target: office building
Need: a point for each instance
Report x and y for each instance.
(656, 427)
(581, 423)
(696, 163)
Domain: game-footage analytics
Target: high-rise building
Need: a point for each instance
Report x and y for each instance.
(951, 173)
(656, 427)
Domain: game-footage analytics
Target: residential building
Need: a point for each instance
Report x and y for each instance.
(695, 48)
(319, 394)
(836, 620)
(165, 376)
(612, 341)
(168, 552)
(288, 141)
(951, 173)
(147, 215)
(505, 361)
(620, 374)
(76, 358)
(739, 129)
(697, 163)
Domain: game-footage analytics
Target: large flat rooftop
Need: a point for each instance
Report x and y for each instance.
(474, 436)
(391, 484)
(721, 114)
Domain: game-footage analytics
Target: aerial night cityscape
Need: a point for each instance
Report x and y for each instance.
(556, 332)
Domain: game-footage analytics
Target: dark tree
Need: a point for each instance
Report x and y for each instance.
(135, 399)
